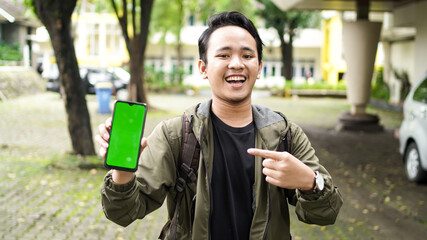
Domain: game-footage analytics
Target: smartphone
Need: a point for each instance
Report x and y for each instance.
(125, 136)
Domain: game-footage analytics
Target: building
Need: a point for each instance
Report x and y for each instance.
(17, 28)
(99, 43)
(403, 35)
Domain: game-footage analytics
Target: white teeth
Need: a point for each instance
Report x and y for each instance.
(235, 78)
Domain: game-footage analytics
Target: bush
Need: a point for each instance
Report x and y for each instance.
(160, 81)
(317, 85)
(155, 79)
(10, 52)
(380, 89)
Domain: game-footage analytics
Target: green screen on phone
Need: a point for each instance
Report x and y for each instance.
(125, 136)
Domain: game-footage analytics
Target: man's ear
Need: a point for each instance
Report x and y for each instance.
(258, 76)
(203, 69)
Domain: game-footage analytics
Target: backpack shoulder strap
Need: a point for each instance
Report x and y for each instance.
(188, 161)
(188, 164)
(285, 143)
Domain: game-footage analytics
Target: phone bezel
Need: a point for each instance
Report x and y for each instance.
(111, 135)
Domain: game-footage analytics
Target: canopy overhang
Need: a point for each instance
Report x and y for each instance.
(341, 5)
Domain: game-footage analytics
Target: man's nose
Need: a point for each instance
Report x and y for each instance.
(236, 63)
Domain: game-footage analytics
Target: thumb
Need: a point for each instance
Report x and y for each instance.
(143, 144)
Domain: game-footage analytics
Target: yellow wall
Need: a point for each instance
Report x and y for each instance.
(332, 62)
(107, 56)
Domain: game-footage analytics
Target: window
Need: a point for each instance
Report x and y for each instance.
(93, 39)
(191, 20)
(113, 35)
(420, 93)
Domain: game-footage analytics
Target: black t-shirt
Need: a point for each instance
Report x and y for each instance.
(232, 180)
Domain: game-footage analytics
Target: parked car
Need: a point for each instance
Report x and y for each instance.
(413, 133)
(90, 76)
(52, 75)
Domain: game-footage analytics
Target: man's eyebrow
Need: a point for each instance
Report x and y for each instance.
(229, 48)
(248, 49)
(223, 49)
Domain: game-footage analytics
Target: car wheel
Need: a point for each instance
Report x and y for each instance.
(414, 171)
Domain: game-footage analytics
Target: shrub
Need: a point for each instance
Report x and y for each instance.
(160, 81)
(380, 89)
(10, 52)
(318, 85)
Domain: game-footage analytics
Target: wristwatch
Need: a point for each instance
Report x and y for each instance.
(319, 182)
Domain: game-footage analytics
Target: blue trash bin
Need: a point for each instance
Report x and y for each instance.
(103, 92)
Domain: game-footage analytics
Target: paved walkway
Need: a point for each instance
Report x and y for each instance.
(44, 197)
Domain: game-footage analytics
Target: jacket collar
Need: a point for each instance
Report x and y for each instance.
(263, 116)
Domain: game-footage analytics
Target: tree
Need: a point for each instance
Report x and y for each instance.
(169, 16)
(56, 17)
(244, 6)
(286, 24)
(405, 86)
(134, 20)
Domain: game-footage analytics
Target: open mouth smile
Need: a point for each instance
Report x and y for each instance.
(235, 80)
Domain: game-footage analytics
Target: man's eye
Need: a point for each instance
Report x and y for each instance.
(247, 56)
(223, 55)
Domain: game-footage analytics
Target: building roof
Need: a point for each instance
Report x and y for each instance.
(11, 12)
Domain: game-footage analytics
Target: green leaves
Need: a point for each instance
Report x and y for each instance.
(10, 52)
(287, 21)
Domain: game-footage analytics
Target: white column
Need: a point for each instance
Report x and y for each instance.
(103, 44)
(360, 41)
(420, 43)
(81, 43)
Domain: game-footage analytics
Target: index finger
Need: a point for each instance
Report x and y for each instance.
(108, 122)
(264, 153)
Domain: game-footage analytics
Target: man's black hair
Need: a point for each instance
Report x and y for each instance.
(228, 19)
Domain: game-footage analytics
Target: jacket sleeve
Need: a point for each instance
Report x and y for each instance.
(124, 203)
(317, 208)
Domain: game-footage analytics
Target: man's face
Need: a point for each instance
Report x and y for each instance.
(232, 64)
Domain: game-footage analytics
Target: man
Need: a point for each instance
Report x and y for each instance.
(244, 185)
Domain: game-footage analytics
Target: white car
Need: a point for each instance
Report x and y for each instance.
(413, 133)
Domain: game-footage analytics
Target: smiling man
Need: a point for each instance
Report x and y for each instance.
(244, 183)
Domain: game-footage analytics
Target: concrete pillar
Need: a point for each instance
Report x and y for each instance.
(360, 41)
(420, 43)
(102, 38)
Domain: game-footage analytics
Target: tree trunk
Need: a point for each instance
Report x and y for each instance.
(179, 67)
(56, 16)
(136, 48)
(136, 85)
(288, 59)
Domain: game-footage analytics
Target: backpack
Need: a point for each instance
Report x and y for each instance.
(189, 165)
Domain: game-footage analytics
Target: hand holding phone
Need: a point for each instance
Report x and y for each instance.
(124, 138)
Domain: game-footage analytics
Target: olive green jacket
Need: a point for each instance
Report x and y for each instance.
(157, 174)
